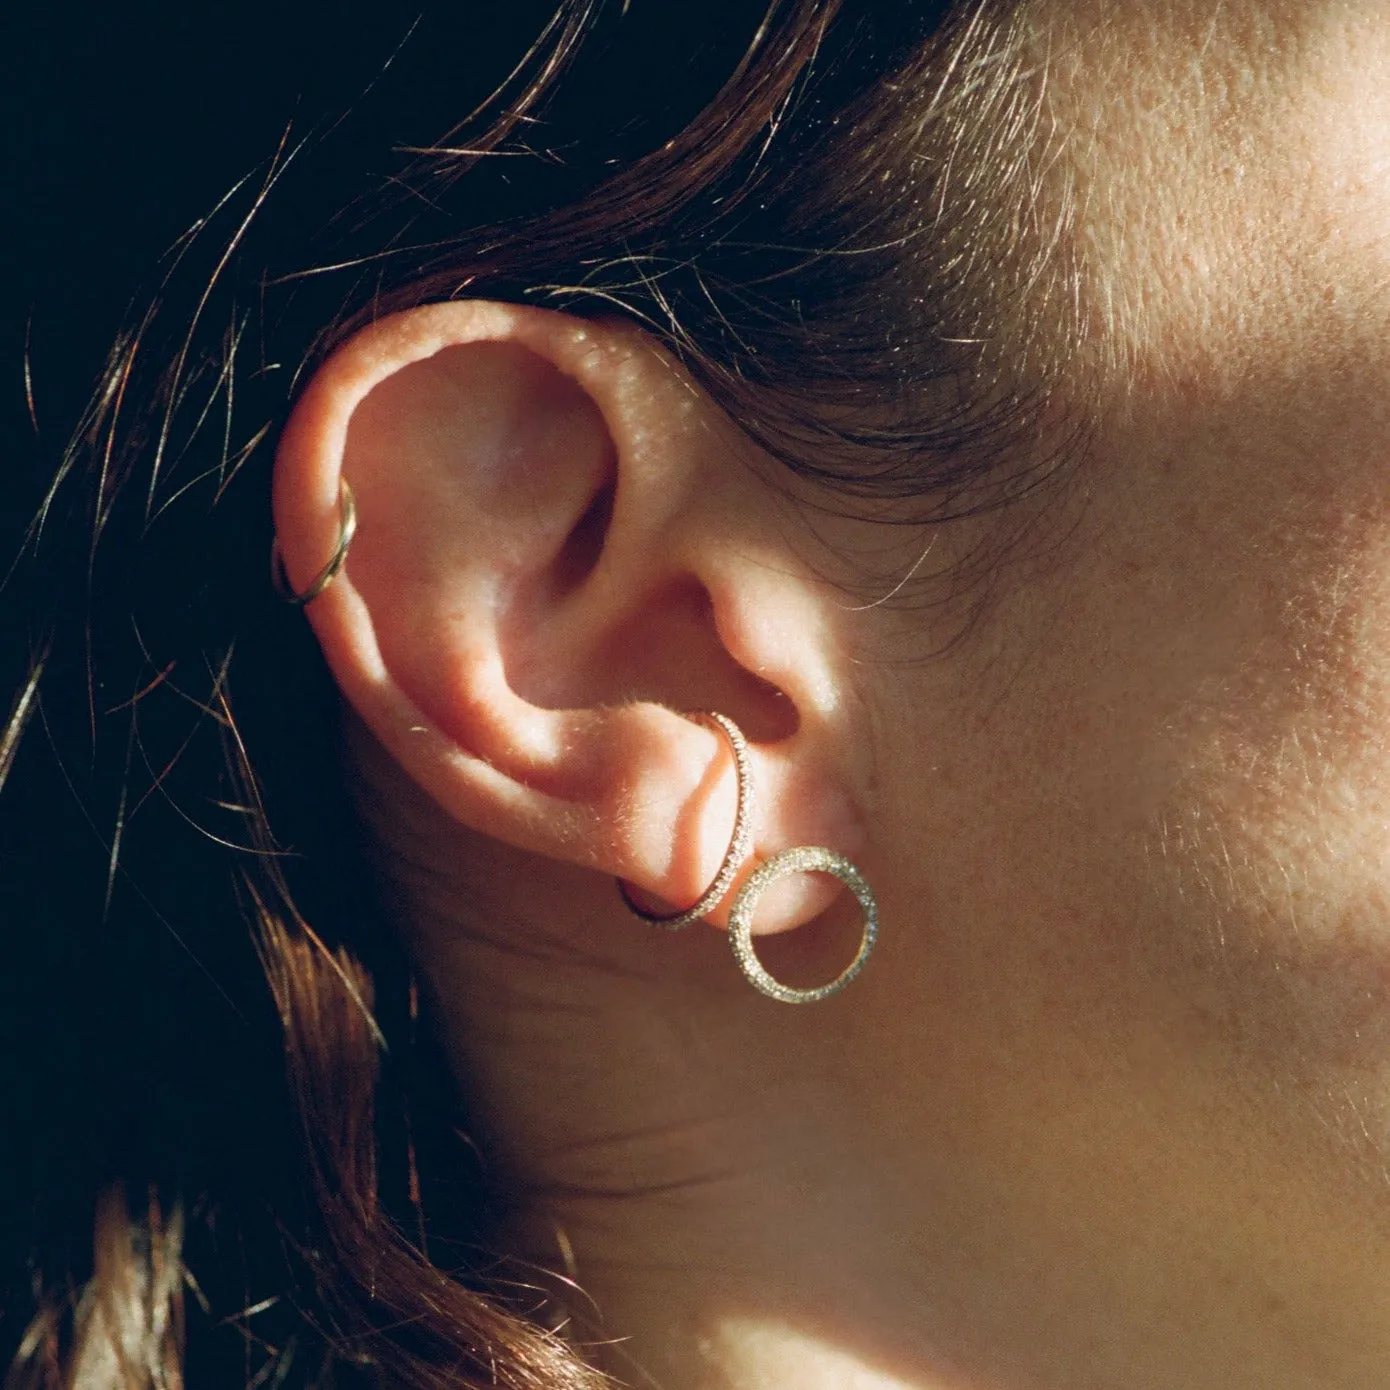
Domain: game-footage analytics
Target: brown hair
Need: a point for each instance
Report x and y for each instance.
(847, 245)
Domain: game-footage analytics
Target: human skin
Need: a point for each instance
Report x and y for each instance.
(1108, 1106)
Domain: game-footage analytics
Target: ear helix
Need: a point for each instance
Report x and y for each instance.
(801, 859)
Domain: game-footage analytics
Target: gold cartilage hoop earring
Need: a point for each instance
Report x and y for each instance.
(804, 859)
(347, 528)
(740, 841)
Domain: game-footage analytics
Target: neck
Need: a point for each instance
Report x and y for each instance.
(729, 1193)
(695, 1234)
(707, 1241)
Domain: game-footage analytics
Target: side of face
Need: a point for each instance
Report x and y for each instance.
(1151, 792)
(1128, 831)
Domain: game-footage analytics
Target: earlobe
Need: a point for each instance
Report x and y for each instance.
(556, 553)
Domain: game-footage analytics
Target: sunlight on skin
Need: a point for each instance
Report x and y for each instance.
(1109, 1106)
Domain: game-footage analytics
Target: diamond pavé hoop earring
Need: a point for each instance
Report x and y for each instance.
(739, 841)
(800, 860)
(803, 859)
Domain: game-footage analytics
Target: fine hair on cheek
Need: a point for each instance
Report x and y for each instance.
(1194, 138)
(1230, 339)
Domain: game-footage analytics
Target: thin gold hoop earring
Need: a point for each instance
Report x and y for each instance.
(740, 840)
(804, 859)
(347, 529)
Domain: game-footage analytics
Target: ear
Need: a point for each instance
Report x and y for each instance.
(561, 546)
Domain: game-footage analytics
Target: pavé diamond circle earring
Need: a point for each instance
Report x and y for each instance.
(804, 859)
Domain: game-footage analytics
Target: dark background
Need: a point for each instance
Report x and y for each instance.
(136, 1037)
(122, 123)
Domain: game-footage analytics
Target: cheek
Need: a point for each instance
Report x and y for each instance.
(1226, 669)
(1269, 822)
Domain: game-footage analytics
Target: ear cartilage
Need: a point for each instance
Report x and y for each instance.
(347, 529)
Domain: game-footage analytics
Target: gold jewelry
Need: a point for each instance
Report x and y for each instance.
(347, 528)
(803, 859)
(740, 840)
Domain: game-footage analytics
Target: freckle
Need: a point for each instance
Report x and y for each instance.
(1329, 294)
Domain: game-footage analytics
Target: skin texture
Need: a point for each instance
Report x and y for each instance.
(1109, 1106)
